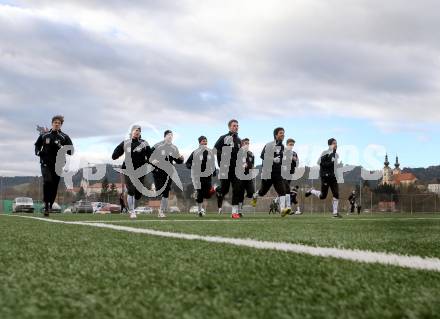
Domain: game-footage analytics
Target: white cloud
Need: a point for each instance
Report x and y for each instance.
(104, 66)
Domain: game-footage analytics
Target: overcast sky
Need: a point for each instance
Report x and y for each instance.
(366, 72)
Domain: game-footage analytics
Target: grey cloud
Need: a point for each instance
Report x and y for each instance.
(366, 59)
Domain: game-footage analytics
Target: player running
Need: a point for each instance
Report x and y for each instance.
(247, 187)
(352, 201)
(294, 200)
(291, 156)
(46, 147)
(202, 165)
(274, 208)
(164, 156)
(139, 152)
(227, 147)
(273, 153)
(328, 164)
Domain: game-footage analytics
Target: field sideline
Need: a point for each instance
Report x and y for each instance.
(259, 267)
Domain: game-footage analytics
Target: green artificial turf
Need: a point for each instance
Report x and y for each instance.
(52, 270)
(401, 235)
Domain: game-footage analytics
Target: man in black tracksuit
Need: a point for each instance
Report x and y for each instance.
(122, 203)
(328, 165)
(274, 207)
(165, 154)
(227, 147)
(294, 200)
(140, 151)
(274, 153)
(46, 147)
(202, 165)
(291, 168)
(247, 187)
(352, 201)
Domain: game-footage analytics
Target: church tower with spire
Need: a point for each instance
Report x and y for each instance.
(397, 170)
(395, 176)
(387, 173)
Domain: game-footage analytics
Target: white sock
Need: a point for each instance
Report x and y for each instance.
(164, 204)
(235, 209)
(298, 209)
(335, 206)
(288, 202)
(316, 193)
(282, 202)
(131, 202)
(200, 206)
(240, 207)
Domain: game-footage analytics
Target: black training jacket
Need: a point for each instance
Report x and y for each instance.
(48, 144)
(228, 140)
(277, 156)
(328, 163)
(140, 152)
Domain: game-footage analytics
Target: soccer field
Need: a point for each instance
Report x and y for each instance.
(312, 266)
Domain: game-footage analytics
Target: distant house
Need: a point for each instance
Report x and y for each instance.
(96, 188)
(404, 179)
(434, 188)
(74, 190)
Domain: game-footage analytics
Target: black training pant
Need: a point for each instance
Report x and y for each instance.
(287, 184)
(50, 184)
(205, 190)
(225, 185)
(247, 188)
(162, 182)
(294, 199)
(352, 207)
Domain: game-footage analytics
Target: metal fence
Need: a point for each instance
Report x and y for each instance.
(370, 203)
(375, 203)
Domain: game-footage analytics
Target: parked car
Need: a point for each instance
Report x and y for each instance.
(194, 210)
(82, 207)
(110, 209)
(174, 209)
(143, 210)
(97, 206)
(56, 208)
(23, 204)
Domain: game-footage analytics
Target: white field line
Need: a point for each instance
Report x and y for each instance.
(173, 221)
(388, 219)
(240, 221)
(412, 262)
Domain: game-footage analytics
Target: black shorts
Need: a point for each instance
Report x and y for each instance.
(332, 183)
(131, 188)
(277, 181)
